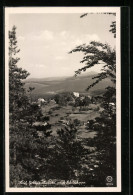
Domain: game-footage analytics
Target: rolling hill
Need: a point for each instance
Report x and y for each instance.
(50, 86)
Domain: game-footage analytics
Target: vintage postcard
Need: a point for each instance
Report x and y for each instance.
(62, 99)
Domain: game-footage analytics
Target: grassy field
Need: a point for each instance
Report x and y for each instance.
(68, 113)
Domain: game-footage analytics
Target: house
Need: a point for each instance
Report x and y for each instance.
(41, 101)
(52, 101)
(112, 104)
(63, 122)
(89, 97)
(76, 94)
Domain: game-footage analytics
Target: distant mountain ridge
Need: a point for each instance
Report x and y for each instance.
(59, 78)
(54, 85)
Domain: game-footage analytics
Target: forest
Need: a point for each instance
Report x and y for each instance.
(67, 139)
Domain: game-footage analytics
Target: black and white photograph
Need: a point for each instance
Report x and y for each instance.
(62, 99)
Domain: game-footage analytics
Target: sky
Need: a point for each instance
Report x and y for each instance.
(45, 39)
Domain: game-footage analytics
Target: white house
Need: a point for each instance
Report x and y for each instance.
(76, 94)
(112, 104)
(41, 101)
(89, 97)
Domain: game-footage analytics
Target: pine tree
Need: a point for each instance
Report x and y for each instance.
(18, 99)
(24, 141)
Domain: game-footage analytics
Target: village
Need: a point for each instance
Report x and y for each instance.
(78, 109)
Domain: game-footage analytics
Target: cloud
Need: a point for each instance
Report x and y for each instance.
(40, 65)
(69, 40)
(86, 38)
(63, 39)
(21, 38)
(44, 35)
(92, 37)
(75, 40)
(64, 34)
(78, 42)
(63, 43)
(60, 57)
(33, 65)
(48, 51)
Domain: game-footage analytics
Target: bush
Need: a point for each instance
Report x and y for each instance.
(45, 118)
(76, 122)
(50, 112)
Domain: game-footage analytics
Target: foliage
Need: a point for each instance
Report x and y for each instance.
(76, 122)
(105, 141)
(82, 101)
(16, 75)
(113, 28)
(30, 92)
(63, 98)
(94, 54)
(113, 24)
(24, 140)
(67, 154)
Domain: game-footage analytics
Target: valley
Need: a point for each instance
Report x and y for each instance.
(48, 87)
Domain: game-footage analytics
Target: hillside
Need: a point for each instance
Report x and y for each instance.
(50, 86)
